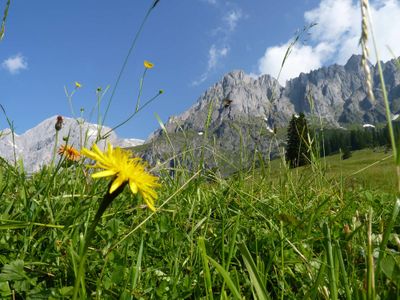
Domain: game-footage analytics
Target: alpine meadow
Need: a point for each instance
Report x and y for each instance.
(260, 190)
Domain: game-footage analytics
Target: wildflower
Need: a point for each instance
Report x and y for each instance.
(77, 85)
(148, 65)
(70, 152)
(126, 170)
(161, 91)
(59, 123)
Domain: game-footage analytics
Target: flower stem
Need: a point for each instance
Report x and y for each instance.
(107, 200)
(55, 149)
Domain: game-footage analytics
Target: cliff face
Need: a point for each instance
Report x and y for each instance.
(336, 93)
(240, 105)
(236, 96)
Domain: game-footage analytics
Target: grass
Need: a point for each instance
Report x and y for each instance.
(292, 234)
(370, 169)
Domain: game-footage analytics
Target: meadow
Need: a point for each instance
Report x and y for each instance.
(304, 233)
(328, 230)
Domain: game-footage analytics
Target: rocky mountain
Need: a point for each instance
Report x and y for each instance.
(240, 109)
(36, 146)
(338, 96)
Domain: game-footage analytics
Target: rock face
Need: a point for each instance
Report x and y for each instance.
(242, 106)
(35, 147)
(336, 93)
(236, 96)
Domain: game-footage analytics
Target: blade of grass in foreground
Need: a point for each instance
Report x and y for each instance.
(388, 230)
(227, 278)
(254, 276)
(206, 268)
(370, 261)
(331, 263)
(136, 270)
(3, 23)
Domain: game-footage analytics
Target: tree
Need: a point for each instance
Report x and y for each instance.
(297, 149)
(346, 153)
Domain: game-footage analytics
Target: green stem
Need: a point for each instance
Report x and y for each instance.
(127, 58)
(54, 150)
(107, 200)
(370, 261)
(140, 90)
(331, 264)
(131, 116)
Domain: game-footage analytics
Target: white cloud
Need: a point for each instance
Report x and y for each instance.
(213, 2)
(222, 34)
(232, 18)
(334, 19)
(15, 64)
(214, 56)
(301, 59)
(336, 37)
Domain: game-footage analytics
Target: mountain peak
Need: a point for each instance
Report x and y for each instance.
(354, 63)
(35, 147)
(236, 74)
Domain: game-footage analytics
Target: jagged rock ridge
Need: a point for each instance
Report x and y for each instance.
(338, 94)
(335, 94)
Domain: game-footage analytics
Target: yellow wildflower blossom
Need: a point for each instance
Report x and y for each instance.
(125, 169)
(148, 65)
(77, 85)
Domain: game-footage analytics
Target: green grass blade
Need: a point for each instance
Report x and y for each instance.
(370, 261)
(206, 268)
(388, 230)
(136, 270)
(343, 271)
(3, 22)
(255, 278)
(227, 278)
(331, 263)
(313, 292)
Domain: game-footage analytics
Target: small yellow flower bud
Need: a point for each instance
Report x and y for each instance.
(148, 65)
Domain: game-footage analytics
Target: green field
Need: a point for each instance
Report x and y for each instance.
(266, 233)
(366, 169)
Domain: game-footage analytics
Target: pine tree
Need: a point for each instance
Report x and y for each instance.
(297, 149)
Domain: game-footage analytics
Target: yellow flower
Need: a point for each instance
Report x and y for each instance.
(148, 65)
(77, 85)
(70, 152)
(125, 169)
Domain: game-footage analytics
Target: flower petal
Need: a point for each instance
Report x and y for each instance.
(119, 163)
(148, 65)
(133, 186)
(105, 173)
(149, 201)
(116, 183)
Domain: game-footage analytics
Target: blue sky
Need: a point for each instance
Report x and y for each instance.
(192, 43)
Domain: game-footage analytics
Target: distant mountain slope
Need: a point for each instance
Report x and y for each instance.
(243, 106)
(35, 147)
(338, 94)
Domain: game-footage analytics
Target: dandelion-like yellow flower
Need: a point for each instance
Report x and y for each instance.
(70, 152)
(148, 65)
(125, 169)
(77, 85)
